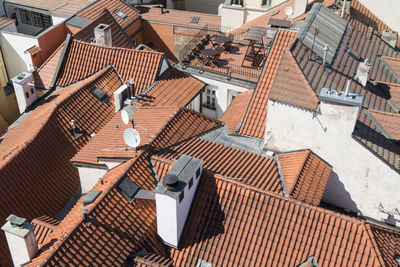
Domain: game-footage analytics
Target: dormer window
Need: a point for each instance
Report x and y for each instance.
(120, 14)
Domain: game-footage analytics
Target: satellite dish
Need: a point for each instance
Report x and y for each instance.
(289, 11)
(131, 137)
(127, 113)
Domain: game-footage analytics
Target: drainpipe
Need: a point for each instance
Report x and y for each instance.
(343, 9)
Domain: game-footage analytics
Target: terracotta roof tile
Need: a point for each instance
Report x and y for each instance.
(95, 10)
(394, 64)
(388, 242)
(43, 226)
(176, 89)
(234, 114)
(44, 75)
(232, 224)
(161, 166)
(152, 260)
(82, 59)
(305, 175)
(388, 123)
(251, 169)
(361, 17)
(55, 7)
(291, 87)
(179, 17)
(34, 156)
(254, 120)
(119, 37)
(393, 90)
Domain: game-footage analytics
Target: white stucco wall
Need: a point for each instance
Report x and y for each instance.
(14, 46)
(385, 10)
(203, 6)
(89, 177)
(22, 249)
(360, 181)
(221, 94)
(56, 19)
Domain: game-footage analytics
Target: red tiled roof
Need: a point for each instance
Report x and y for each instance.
(118, 228)
(83, 59)
(290, 86)
(305, 175)
(43, 226)
(388, 242)
(361, 17)
(96, 10)
(251, 169)
(179, 17)
(393, 63)
(393, 89)
(388, 123)
(119, 37)
(176, 89)
(44, 75)
(254, 120)
(161, 166)
(152, 260)
(231, 224)
(233, 115)
(34, 156)
(67, 8)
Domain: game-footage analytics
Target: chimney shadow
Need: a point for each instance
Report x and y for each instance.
(206, 218)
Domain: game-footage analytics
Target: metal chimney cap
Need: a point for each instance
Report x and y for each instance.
(170, 181)
(15, 220)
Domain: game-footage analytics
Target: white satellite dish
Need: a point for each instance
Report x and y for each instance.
(127, 112)
(289, 11)
(131, 137)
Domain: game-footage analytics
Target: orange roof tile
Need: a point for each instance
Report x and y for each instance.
(152, 260)
(43, 226)
(179, 17)
(254, 120)
(388, 123)
(84, 58)
(67, 8)
(388, 243)
(290, 86)
(161, 166)
(233, 115)
(305, 175)
(176, 89)
(95, 10)
(231, 224)
(393, 63)
(393, 90)
(119, 37)
(34, 155)
(361, 17)
(249, 168)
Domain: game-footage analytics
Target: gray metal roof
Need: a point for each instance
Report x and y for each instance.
(330, 31)
(78, 22)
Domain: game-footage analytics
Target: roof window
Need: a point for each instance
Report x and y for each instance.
(120, 14)
(194, 20)
(100, 95)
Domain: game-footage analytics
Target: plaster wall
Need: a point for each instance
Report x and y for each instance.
(58, 19)
(13, 46)
(222, 95)
(89, 177)
(360, 181)
(203, 6)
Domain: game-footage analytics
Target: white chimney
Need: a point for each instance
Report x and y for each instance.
(21, 240)
(362, 72)
(174, 198)
(120, 95)
(390, 37)
(102, 35)
(299, 8)
(24, 90)
(346, 93)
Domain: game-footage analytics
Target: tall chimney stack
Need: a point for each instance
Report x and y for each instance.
(21, 240)
(102, 35)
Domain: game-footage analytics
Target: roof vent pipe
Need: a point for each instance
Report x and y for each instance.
(326, 48)
(343, 8)
(347, 88)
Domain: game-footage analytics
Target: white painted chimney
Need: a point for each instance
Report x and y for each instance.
(102, 35)
(174, 198)
(24, 90)
(299, 8)
(362, 72)
(390, 37)
(346, 93)
(21, 240)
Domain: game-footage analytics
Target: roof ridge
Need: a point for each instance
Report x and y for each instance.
(300, 169)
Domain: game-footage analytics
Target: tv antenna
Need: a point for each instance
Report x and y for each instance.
(288, 11)
(132, 137)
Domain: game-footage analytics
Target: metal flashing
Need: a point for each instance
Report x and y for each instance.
(77, 21)
(61, 61)
(331, 95)
(91, 197)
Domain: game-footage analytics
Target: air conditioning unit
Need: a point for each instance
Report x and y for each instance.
(120, 95)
